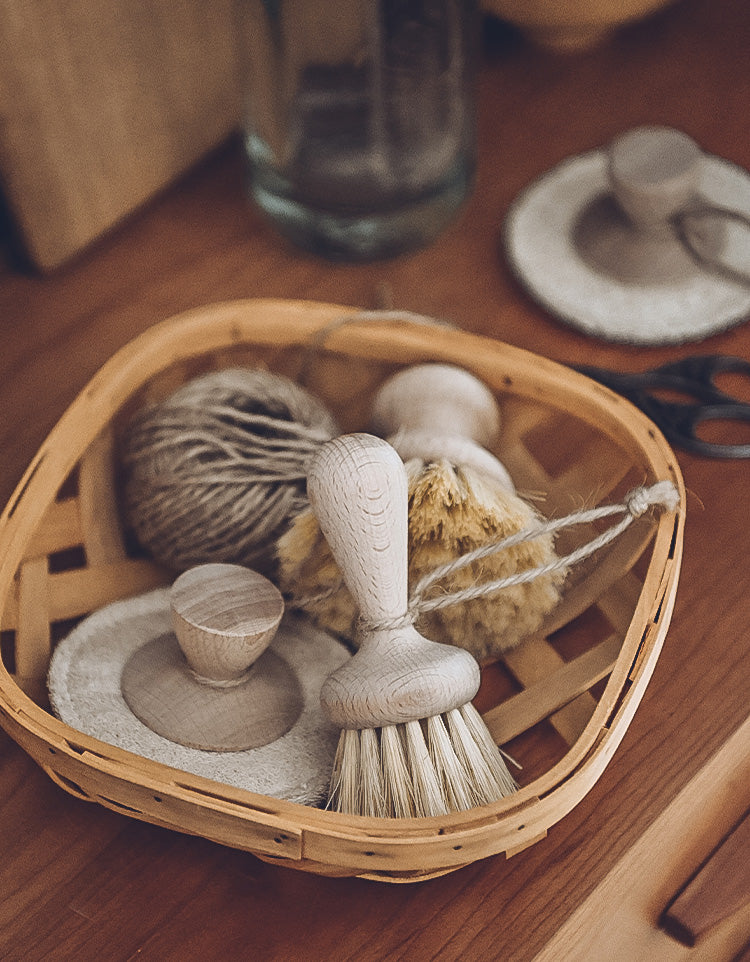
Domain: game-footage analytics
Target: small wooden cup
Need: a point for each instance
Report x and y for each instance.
(633, 233)
(213, 684)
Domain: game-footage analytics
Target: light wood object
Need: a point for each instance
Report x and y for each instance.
(690, 864)
(426, 395)
(358, 491)
(431, 753)
(213, 685)
(437, 410)
(628, 590)
(572, 25)
(655, 173)
(719, 890)
(103, 106)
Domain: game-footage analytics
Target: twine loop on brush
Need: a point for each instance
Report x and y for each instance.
(636, 503)
(220, 682)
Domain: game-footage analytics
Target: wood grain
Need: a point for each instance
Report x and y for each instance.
(224, 616)
(358, 491)
(719, 890)
(102, 109)
(440, 397)
(83, 882)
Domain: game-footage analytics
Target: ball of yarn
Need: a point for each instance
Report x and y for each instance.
(215, 472)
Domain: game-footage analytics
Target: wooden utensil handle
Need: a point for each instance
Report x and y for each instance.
(358, 491)
(719, 888)
(437, 397)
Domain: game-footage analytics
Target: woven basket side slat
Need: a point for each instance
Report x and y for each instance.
(9, 617)
(100, 519)
(533, 662)
(596, 575)
(553, 692)
(165, 382)
(59, 529)
(79, 591)
(33, 639)
(350, 398)
(518, 419)
(569, 490)
(156, 802)
(617, 603)
(82, 590)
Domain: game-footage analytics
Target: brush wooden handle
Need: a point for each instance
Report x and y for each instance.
(437, 398)
(358, 490)
(429, 446)
(434, 411)
(224, 616)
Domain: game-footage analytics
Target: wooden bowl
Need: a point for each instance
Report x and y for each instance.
(569, 25)
(560, 703)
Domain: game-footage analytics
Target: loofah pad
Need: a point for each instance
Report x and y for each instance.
(543, 236)
(85, 692)
(451, 512)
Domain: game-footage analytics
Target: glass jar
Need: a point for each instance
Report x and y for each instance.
(360, 128)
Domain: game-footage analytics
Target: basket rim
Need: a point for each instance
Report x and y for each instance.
(262, 321)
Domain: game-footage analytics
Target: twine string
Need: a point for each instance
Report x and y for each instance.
(317, 342)
(662, 494)
(710, 261)
(220, 682)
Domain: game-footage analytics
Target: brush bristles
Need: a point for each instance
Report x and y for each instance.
(429, 798)
(399, 788)
(344, 792)
(480, 755)
(371, 774)
(456, 789)
(448, 763)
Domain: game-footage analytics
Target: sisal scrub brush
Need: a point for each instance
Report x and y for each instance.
(412, 744)
(438, 417)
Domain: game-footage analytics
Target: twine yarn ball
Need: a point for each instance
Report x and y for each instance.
(216, 471)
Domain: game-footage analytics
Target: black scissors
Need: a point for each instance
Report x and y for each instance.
(694, 378)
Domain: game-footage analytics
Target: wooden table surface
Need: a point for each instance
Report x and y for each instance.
(80, 882)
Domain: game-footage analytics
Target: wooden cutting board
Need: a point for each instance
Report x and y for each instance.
(103, 104)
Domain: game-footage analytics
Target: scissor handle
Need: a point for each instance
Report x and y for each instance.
(679, 423)
(696, 376)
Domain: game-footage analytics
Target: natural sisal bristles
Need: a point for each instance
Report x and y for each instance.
(448, 763)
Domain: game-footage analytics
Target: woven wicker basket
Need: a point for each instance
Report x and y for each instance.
(561, 703)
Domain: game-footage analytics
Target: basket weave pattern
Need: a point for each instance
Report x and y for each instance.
(561, 702)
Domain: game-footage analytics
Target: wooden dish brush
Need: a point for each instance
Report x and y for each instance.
(438, 417)
(214, 471)
(412, 744)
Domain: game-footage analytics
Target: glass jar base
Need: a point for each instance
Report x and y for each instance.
(357, 236)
